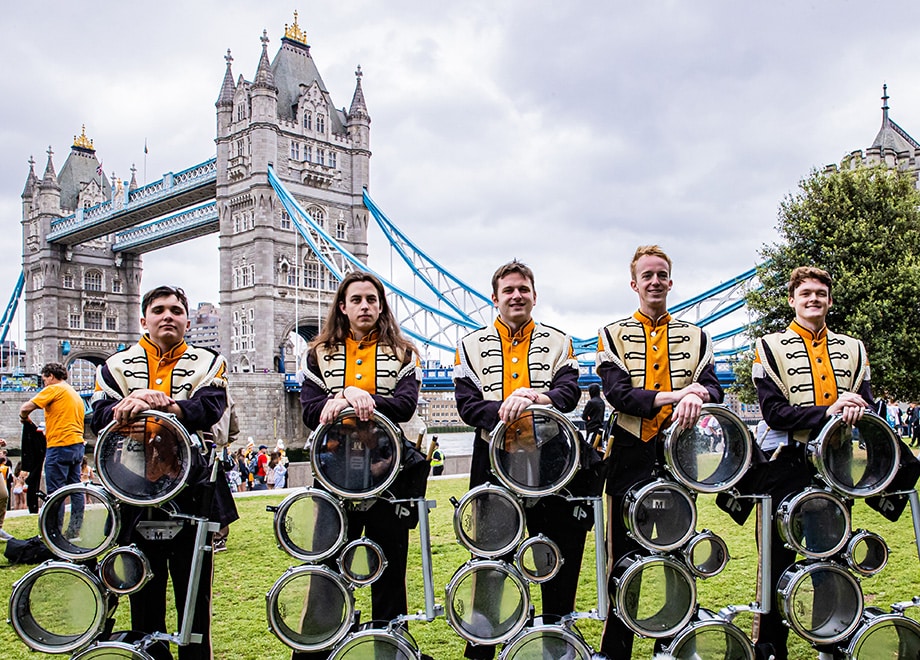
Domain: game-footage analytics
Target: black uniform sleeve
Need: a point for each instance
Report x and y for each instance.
(473, 409)
(777, 412)
(563, 391)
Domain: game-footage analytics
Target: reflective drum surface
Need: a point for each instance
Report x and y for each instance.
(371, 643)
(538, 559)
(362, 562)
(487, 601)
(713, 455)
(310, 608)
(79, 521)
(866, 552)
(540, 642)
(309, 525)
(125, 570)
(815, 522)
(57, 607)
(660, 515)
(655, 596)
(706, 554)
(489, 521)
(711, 637)
(355, 459)
(112, 651)
(146, 461)
(821, 602)
(858, 461)
(536, 454)
(885, 637)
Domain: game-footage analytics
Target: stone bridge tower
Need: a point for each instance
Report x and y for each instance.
(270, 282)
(83, 300)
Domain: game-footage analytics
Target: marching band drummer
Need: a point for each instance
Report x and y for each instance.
(804, 375)
(161, 372)
(656, 371)
(499, 372)
(360, 359)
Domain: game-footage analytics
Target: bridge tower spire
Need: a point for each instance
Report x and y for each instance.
(271, 285)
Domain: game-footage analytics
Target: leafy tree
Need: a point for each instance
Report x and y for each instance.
(862, 225)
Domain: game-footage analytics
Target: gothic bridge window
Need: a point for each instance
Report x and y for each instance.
(321, 124)
(308, 120)
(68, 280)
(92, 280)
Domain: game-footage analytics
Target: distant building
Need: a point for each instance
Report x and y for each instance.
(204, 330)
(12, 359)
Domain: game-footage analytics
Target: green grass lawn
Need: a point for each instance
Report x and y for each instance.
(253, 562)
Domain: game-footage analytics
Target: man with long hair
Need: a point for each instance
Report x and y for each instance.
(361, 360)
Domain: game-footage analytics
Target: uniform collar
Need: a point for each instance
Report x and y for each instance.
(504, 330)
(151, 347)
(370, 338)
(805, 333)
(649, 321)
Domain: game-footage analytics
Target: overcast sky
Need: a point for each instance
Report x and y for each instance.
(561, 133)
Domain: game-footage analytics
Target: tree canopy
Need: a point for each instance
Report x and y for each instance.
(862, 225)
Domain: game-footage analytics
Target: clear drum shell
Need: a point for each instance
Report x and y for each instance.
(362, 562)
(125, 570)
(821, 601)
(710, 636)
(543, 640)
(706, 554)
(370, 643)
(310, 525)
(660, 515)
(539, 559)
(814, 523)
(891, 636)
(655, 595)
(79, 521)
(488, 601)
(866, 552)
(489, 521)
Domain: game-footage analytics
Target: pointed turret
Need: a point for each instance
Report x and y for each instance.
(227, 88)
(890, 135)
(31, 180)
(358, 108)
(49, 178)
(133, 184)
(264, 99)
(264, 79)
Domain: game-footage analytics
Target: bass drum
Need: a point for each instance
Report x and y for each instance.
(712, 456)
(655, 596)
(58, 607)
(487, 602)
(820, 601)
(310, 525)
(888, 636)
(125, 570)
(356, 460)
(79, 521)
(537, 454)
(543, 640)
(489, 521)
(146, 461)
(310, 608)
(660, 515)
(815, 523)
(369, 643)
(711, 637)
(859, 460)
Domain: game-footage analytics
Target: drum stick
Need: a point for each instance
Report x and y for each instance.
(418, 443)
(431, 447)
(609, 447)
(597, 440)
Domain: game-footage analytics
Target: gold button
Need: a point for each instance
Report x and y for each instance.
(514, 343)
(654, 366)
(159, 381)
(357, 376)
(827, 396)
(654, 348)
(819, 360)
(657, 386)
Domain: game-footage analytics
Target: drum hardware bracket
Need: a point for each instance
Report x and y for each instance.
(766, 538)
(600, 557)
(900, 607)
(159, 530)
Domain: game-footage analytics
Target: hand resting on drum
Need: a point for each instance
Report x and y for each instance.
(850, 406)
(142, 400)
(688, 404)
(518, 401)
(362, 402)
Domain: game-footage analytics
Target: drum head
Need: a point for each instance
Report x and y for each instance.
(362, 562)
(57, 607)
(310, 525)
(661, 515)
(538, 559)
(355, 459)
(489, 521)
(146, 461)
(79, 521)
(537, 454)
(706, 554)
(125, 570)
(377, 644)
(858, 461)
(866, 553)
(815, 523)
(713, 455)
(487, 602)
(310, 608)
(546, 641)
(655, 596)
(821, 602)
(713, 638)
(886, 636)
(112, 651)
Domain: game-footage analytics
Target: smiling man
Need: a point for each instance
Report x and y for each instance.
(656, 371)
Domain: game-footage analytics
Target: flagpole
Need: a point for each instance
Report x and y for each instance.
(145, 161)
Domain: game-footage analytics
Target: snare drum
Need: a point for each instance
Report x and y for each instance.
(487, 601)
(145, 461)
(538, 559)
(542, 640)
(369, 643)
(537, 454)
(125, 570)
(310, 525)
(859, 460)
(79, 521)
(881, 635)
(706, 554)
(655, 596)
(866, 552)
(820, 601)
(58, 607)
(660, 515)
(710, 637)
(713, 455)
(815, 523)
(354, 459)
(310, 608)
(362, 562)
(489, 521)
